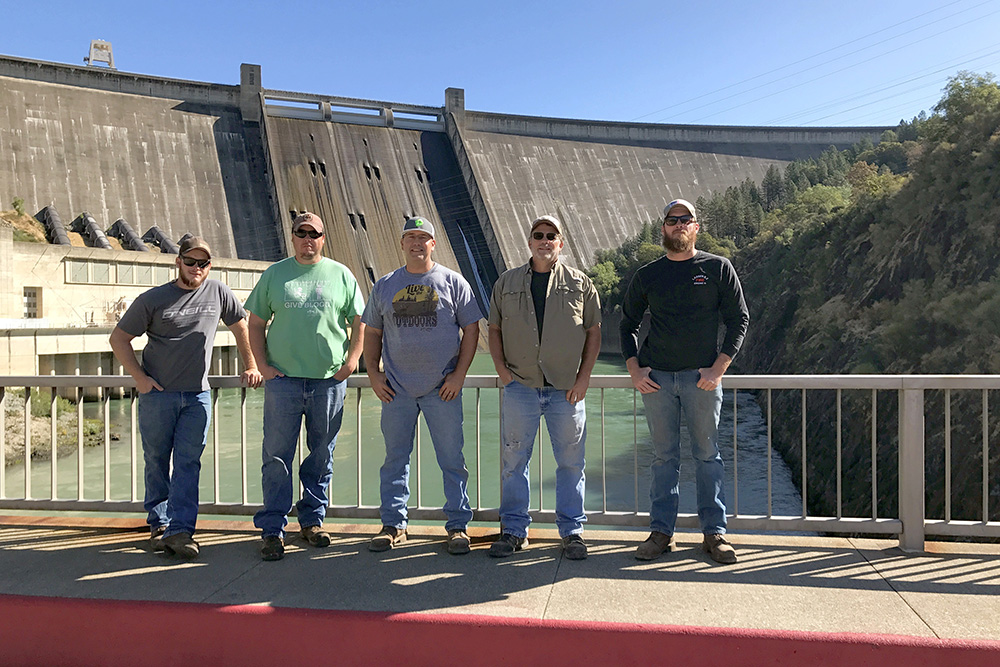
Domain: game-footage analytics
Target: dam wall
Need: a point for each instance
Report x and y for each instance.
(604, 180)
(365, 181)
(153, 151)
(234, 164)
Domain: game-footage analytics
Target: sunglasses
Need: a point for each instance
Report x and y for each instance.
(672, 220)
(191, 261)
(538, 236)
(303, 234)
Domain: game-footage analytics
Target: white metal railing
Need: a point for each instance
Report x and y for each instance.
(910, 523)
(306, 106)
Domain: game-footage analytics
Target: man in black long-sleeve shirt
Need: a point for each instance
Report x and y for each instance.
(680, 368)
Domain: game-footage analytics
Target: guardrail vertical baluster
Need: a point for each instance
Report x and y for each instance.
(947, 454)
(840, 498)
(243, 446)
(986, 455)
(604, 459)
(105, 397)
(736, 462)
(133, 450)
(27, 442)
(53, 434)
(420, 501)
(874, 453)
(79, 443)
(635, 447)
(769, 454)
(358, 417)
(479, 478)
(911, 469)
(215, 443)
(805, 480)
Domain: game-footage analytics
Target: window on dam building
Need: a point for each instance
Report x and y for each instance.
(32, 302)
(90, 272)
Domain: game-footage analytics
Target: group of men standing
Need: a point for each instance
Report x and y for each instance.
(309, 326)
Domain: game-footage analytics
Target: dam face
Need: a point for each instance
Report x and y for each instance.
(235, 163)
(153, 152)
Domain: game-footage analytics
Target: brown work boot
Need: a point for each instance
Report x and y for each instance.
(655, 545)
(316, 536)
(719, 549)
(181, 544)
(156, 537)
(387, 538)
(458, 542)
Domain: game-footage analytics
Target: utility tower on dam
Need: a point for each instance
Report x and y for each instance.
(235, 163)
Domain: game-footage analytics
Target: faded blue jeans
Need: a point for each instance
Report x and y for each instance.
(173, 424)
(286, 401)
(523, 408)
(679, 393)
(399, 427)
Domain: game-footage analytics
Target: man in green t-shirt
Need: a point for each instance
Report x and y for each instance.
(313, 344)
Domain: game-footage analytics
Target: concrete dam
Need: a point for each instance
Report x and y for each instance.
(235, 163)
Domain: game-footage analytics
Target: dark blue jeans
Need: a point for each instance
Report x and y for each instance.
(286, 401)
(173, 424)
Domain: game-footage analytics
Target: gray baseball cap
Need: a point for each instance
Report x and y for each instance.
(416, 224)
(680, 202)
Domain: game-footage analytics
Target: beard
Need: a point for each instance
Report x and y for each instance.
(680, 242)
(192, 283)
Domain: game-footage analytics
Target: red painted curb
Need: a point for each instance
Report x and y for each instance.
(64, 631)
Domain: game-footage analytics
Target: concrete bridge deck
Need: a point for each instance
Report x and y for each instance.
(934, 608)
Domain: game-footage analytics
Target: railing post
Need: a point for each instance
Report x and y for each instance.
(911, 469)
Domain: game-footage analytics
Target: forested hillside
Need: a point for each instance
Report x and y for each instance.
(880, 259)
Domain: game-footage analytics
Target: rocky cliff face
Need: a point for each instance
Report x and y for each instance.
(898, 277)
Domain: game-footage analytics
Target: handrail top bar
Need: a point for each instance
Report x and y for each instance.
(888, 382)
(350, 102)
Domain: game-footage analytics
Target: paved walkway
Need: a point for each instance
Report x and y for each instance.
(811, 584)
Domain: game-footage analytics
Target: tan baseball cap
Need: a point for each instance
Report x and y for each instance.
(547, 219)
(310, 219)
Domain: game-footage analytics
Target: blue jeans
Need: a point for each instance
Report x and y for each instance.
(399, 426)
(679, 391)
(286, 400)
(523, 408)
(173, 424)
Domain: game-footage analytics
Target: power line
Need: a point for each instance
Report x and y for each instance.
(816, 55)
(936, 35)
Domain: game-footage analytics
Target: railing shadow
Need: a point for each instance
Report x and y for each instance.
(115, 563)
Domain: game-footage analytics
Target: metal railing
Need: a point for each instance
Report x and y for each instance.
(909, 522)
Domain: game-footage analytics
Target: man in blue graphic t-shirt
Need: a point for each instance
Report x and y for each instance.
(422, 324)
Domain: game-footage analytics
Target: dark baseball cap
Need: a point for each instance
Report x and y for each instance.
(194, 243)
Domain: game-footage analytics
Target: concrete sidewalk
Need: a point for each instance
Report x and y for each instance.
(815, 584)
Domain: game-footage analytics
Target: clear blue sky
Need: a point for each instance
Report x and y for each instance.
(724, 62)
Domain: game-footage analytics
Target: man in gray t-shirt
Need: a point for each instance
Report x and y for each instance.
(179, 320)
(422, 324)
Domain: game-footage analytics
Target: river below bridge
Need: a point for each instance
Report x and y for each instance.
(618, 458)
